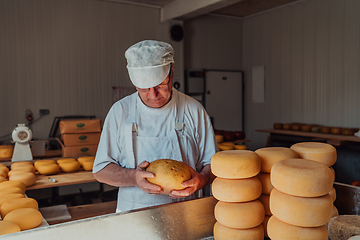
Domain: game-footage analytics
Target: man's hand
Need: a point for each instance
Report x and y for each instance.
(140, 177)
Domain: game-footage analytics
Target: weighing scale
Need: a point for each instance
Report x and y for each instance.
(22, 136)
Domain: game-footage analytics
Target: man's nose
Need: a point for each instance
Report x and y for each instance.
(153, 92)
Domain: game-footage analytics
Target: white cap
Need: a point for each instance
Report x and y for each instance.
(149, 62)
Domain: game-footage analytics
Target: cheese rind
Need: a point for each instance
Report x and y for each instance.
(26, 218)
(48, 169)
(27, 178)
(271, 155)
(235, 164)
(236, 190)
(301, 211)
(240, 215)
(316, 151)
(44, 161)
(7, 227)
(265, 200)
(14, 204)
(279, 230)
(11, 184)
(265, 182)
(69, 166)
(222, 232)
(302, 177)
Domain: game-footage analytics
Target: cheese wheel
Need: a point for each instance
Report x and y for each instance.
(85, 159)
(320, 152)
(70, 166)
(44, 161)
(10, 196)
(87, 165)
(265, 223)
(344, 226)
(265, 182)
(26, 168)
(219, 138)
(333, 194)
(6, 151)
(302, 177)
(235, 164)
(225, 233)
(3, 174)
(271, 155)
(236, 190)
(48, 169)
(2, 179)
(240, 147)
(335, 212)
(4, 168)
(11, 190)
(18, 171)
(301, 211)
(7, 227)
(26, 218)
(62, 160)
(27, 178)
(264, 199)
(279, 230)
(226, 147)
(20, 164)
(11, 184)
(13, 204)
(228, 144)
(240, 215)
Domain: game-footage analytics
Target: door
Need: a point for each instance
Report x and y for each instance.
(224, 99)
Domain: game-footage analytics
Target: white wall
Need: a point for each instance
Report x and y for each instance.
(66, 55)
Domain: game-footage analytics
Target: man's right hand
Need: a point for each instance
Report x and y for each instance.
(140, 177)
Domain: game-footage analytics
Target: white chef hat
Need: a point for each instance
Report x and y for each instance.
(149, 62)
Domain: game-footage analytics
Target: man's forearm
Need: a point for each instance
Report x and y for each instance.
(206, 171)
(115, 175)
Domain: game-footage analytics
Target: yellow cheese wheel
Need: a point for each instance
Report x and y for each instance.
(225, 233)
(3, 174)
(219, 138)
(240, 215)
(18, 171)
(236, 190)
(333, 194)
(264, 199)
(11, 190)
(335, 212)
(85, 159)
(7, 227)
(6, 151)
(301, 211)
(4, 168)
(27, 178)
(279, 230)
(87, 165)
(265, 223)
(21, 164)
(2, 179)
(271, 155)
(320, 152)
(26, 168)
(302, 177)
(48, 169)
(226, 147)
(62, 160)
(44, 161)
(235, 164)
(26, 218)
(13, 204)
(265, 182)
(70, 166)
(11, 184)
(10, 196)
(240, 147)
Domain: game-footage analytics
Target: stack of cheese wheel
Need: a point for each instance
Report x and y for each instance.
(24, 172)
(269, 156)
(319, 152)
(46, 167)
(300, 201)
(86, 162)
(68, 165)
(4, 170)
(239, 213)
(224, 146)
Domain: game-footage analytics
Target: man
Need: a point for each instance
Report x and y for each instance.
(156, 122)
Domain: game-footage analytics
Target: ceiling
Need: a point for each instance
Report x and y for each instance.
(185, 9)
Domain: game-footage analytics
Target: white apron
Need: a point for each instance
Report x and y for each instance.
(139, 149)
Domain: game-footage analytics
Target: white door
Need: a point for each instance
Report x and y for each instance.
(224, 99)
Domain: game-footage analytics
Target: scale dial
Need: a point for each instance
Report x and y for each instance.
(22, 134)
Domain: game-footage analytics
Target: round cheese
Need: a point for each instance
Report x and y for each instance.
(225, 233)
(320, 152)
(279, 230)
(235, 164)
(18, 203)
(70, 166)
(344, 226)
(236, 190)
(265, 182)
(10, 196)
(265, 223)
(226, 147)
(6, 151)
(4, 168)
(2, 179)
(87, 165)
(85, 159)
(25, 168)
(18, 171)
(21, 164)
(11, 190)
(48, 169)
(264, 199)
(11, 184)
(301, 211)
(219, 138)
(7, 227)
(333, 194)
(26, 218)
(44, 161)
(240, 147)
(62, 160)
(27, 178)
(3, 174)
(302, 177)
(240, 215)
(271, 155)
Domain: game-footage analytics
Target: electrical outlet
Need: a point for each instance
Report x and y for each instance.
(44, 112)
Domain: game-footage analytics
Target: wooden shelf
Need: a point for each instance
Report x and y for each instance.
(332, 139)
